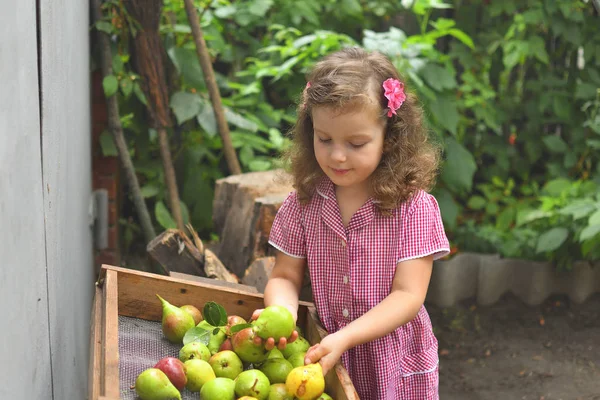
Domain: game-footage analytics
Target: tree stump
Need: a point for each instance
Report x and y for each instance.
(244, 208)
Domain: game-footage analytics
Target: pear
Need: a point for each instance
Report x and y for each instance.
(297, 359)
(153, 384)
(175, 321)
(252, 383)
(276, 369)
(194, 312)
(275, 353)
(246, 348)
(215, 341)
(218, 389)
(307, 382)
(276, 322)
(174, 369)
(325, 396)
(198, 372)
(226, 364)
(279, 392)
(297, 346)
(194, 350)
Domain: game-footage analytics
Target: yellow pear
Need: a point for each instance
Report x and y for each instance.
(306, 382)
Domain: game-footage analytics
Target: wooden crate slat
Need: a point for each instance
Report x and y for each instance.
(110, 335)
(94, 368)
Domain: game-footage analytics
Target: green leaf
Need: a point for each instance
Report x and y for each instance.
(126, 87)
(239, 121)
(459, 168)
(163, 216)
(214, 314)
(206, 119)
(589, 232)
(238, 327)
(552, 239)
(579, 208)
(260, 7)
(555, 144)
(185, 213)
(444, 110)
(259, 165)
(438, 77)
(185, 106)
(139, 93)
(594, 218)
(476, 203)
(556, 186)
(110, 84)
(117, 64)
(104, 26)
(505, 219)
(448, 207)
(197, 334)
(108, 145)
(150, 190)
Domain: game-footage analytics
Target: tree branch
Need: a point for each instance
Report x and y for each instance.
(213, 89)
(115, 128)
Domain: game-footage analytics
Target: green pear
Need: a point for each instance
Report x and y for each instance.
(226, 364)
(198, 372)
(218, 389)
(215, 341)
(175, 321)
(153, 384)
(275, 353)
(252, 383)
(278, 391)
(297, 346)
(325, 396)
(276, 369)
(276, 322)
(194, 350)
(297, 359)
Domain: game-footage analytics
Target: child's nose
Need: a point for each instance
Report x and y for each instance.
(338, 154)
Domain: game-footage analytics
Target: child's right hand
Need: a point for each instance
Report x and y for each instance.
(270, 342)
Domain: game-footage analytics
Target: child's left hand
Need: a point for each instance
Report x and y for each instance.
(327, 352)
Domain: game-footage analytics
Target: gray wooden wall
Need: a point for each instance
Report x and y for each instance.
(46, 264)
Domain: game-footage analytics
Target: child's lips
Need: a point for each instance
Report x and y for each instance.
(340, 171)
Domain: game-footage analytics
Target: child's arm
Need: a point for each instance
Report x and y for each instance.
(409, 288)
(283, 288)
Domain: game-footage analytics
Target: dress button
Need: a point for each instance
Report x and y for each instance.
(343, 243)
(345, 313)
(345, 279)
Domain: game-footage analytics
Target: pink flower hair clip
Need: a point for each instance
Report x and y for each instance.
(394, 92)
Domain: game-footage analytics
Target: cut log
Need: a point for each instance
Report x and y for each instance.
(258, 273)
(214, 268)
(175, 252)
(243, 211)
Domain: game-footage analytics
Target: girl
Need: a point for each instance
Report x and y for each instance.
(364, 225)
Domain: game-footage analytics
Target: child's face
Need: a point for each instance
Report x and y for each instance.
(348, 146)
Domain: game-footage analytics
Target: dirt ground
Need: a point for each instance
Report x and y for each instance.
(514, 351)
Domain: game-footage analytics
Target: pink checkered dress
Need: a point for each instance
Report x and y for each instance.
(351, 270)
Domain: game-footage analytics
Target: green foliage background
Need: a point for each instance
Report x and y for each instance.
(511, 88)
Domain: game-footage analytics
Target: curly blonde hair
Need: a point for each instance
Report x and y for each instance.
(351, 78)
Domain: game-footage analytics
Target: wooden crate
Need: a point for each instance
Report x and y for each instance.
(121, 291)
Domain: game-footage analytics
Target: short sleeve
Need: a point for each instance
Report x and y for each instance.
(422, 230)
(287, 231)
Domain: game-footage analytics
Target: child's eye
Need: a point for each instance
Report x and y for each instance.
(357, 145)
(324, 140)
